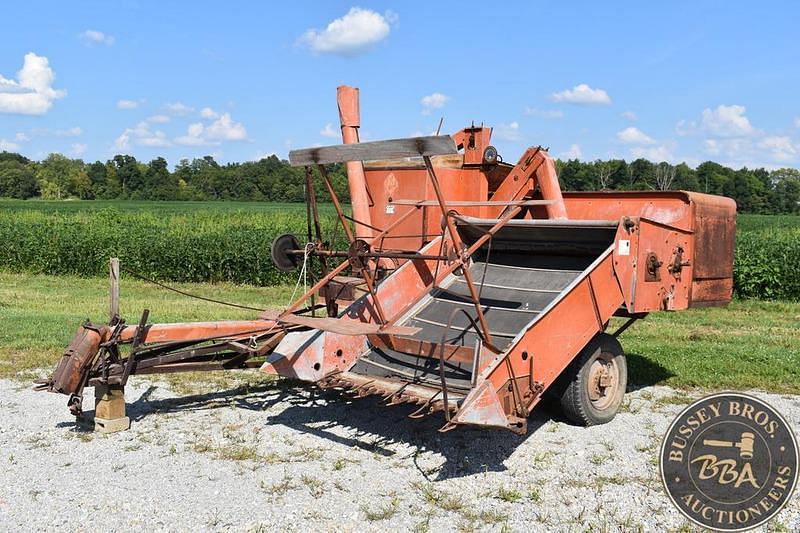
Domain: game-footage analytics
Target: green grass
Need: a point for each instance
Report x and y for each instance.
(39, 314)
(749, 344)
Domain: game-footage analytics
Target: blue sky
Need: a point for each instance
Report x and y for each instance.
(681, 81)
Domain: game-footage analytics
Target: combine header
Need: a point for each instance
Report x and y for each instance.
(470, 287)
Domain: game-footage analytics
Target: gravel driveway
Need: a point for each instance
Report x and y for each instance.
(273, 456)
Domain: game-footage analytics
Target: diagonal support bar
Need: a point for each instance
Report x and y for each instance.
(462, 259)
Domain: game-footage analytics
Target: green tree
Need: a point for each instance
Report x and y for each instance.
(159, 184)
(57, 175)
(17, 180)
(129, 175)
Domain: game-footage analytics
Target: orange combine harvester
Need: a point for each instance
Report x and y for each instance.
(470, 287)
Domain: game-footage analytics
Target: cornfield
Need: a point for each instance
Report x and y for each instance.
(216, 241)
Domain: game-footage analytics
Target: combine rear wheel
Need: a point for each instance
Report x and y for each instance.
(595, 382)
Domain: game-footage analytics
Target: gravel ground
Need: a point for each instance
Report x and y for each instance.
(278, 457)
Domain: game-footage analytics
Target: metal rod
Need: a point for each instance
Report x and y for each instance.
(336, 205)
(371, 255)
(137, 340)
(330, 306)
(477, 203)
(476, 361)
(628, 323)
(456, 240)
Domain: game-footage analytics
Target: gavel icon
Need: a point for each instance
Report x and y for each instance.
(745, 444)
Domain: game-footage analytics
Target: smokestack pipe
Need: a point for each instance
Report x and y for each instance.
(350, 121)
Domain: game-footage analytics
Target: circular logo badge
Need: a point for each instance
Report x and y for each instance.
(729, 462)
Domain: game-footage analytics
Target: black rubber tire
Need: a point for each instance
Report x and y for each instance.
(574, 390)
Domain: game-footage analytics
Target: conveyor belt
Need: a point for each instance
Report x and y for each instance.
(531, 262)
(511, 297)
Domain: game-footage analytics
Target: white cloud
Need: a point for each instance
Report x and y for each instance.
(712, 146)
(797, 122)
(78, 149)
(686, 127)
(194, 136)
(508, 132)
(582, 95)
(127, 104)
(779, 147)
(222, 129)
(47, 132)
(543, 113)
(655, 154)
(733, 148)
(354, 33)
(32, 92)
(629, 115)
(574, 152)
(141, 135)
(208, 113)
(770, 152)
(433, 101)
(91, 37)
(70, 132)
(8, 146)
(632, 135)
(158, 119)
(225, 129)
(727, 121)
(329, 131)
(178, 108)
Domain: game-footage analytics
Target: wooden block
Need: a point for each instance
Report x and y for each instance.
(102, 425)
(109, 402)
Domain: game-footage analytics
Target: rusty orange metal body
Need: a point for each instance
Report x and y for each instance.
(475, 286)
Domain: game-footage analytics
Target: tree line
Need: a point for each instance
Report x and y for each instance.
(274, 180)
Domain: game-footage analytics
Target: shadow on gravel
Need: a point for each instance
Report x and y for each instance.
(372, 426)
(644, 372)
(360, 422)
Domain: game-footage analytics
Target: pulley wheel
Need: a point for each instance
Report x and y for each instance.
(355, 254)
(281, 252)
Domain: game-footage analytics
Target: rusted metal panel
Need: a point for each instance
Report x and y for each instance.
(715, 241)
(711, 292)
(69, 374)
(484, 408)
(197, 330)
(535, 167)
(666, 207)
(388, 185)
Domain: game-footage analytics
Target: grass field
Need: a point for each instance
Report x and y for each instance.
(750, 344)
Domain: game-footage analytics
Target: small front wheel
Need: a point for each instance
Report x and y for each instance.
(595, 382)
